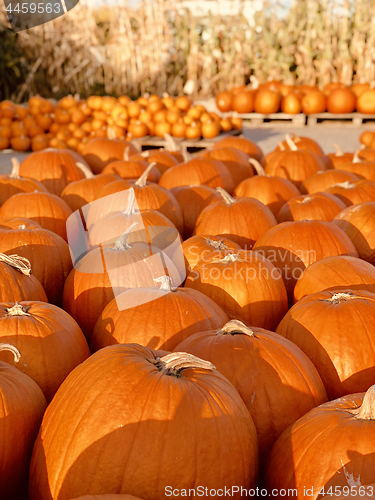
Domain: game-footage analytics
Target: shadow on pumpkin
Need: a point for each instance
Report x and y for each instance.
(359, 241)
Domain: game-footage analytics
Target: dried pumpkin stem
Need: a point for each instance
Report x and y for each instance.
(258, 167)
(111, 134)
(367, 409)
(13, 349)
(345, 185)
(186, 156)
(17, 310)
(338, 150)
(166, 283)
(172, 364)
(88, 173)
(130, 210)
(290, 143)
(170, 143)
(145, 154)
(141, 182)
(281, 146)
(15, 173)
(229, 200)
(22, 226)
(20, 263)
(356, 158)
(126, 154)
(121, 243)
(218, 245)
(235, 327)
(231, 257)
(337, 298)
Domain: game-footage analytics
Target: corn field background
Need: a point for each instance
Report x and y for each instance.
(161, 46)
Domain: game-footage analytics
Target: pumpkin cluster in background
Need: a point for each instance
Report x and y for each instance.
(72, 122)
(169, 320)
(275, 96)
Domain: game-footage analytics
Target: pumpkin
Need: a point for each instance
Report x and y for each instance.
(224, 101)
(339, 436)
(359, 88)
(294, 246)
(334, 273)
(131, 169)
(243, 102)
(101, 151)
(243, 144)
(245, 285)
(366, 102)
(107, 270)
(294, 164)
(20, 143)
(319, 325)
(367, 138)
(51, 342)
(125, 387)
(200, 171)
(313, 103)
(160, 316)
(236, 161)
(362, 168)
(149, 196)
(48, 210)
(358, 223)
(13, 184)
(161, 160)
(291, 104)
(273, 192)
(323, 180)
(339, 158)
(197, 248)
(17, 282)
(16, 222)
(317, 206)
(341, 101)
(352, 193)
(267, 102)
(192, 200)
(281, 386)
(80, 193)
(242, 220)
(367, 154)
(305, 144)
(21, 412)
(55, 169)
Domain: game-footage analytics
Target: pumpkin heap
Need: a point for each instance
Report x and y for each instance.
(171, 322)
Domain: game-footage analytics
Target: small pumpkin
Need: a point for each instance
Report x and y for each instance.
(243, 102)
(291, 104)
(341, 100)
(313, 103)
(316, 206)
(224, 101)
(267, 102)
(366, 102)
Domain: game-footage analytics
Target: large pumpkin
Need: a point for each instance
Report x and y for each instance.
(197, 248)
(352, 193)
(159, 318)
(242, 220)
(13, 184)
(17, 281)
(48, 210)
(294, 246)
(146, 423)
(358, 222)
(334, 273)
(330, 449)
(323, 180)
(54, 168)
(317, 206)
(107, 269)
(101, 151)
(192, 200)
(281, 386)
(329, 325)
(243, 144)
(50, 341)
(200, 171)
(245, 285)
(21, 412)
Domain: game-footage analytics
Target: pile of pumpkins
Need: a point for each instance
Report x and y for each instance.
(275, 96)
(72, 122)
(242, 358)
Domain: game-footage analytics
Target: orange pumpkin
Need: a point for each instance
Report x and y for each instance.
(17, 281)
(246, 145)
(99, 152)
(316, 206)
(224, 101)
(341, 101)
(243, 102)
(323, 180)
(352, 193)
(13, 183)
(313, 103)
(291, 104)
(236, 161)
(198, 248)
(267, 102)
(366, 102)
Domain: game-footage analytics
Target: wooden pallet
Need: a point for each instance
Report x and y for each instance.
(353, 119)
(150, 142)
(258, 119)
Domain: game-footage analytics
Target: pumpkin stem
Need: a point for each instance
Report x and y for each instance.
(306, 199)
(186, 156)
(231, 257)
(281, 146)
(229, 200)
(166, 283)
(17, 310)
(337, 298)
(170, 143)
(20, 263)
(338, 150)
(145, 154)
(130, 210)
(257, 166)
(235, 327)
(88, 173)
(345, 185)
(356, 158)
(367, 409)
(22, 226)
(290, 143)
(141, 182)
(218, 245)
(111, 134)
(13, 349)
(126, 154)
(121, 243)
(172, 364)
(15, 173)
